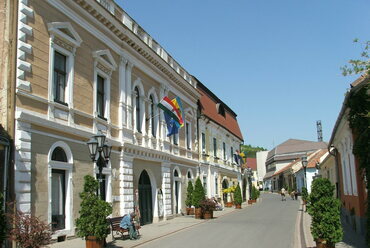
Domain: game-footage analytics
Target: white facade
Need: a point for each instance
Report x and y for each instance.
(261, 164)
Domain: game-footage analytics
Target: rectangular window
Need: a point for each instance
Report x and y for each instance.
(60, 77)
(100, 99)
(175, 138)
(187, 131)
(102, 186)
(203, 143)
(58, 199)
(215, 147)
(224, 150)
(216, 185)
(231, 153)
(205, 184)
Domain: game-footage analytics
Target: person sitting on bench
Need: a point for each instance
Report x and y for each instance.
(128, 223)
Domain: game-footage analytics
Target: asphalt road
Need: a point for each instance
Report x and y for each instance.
(270, 223)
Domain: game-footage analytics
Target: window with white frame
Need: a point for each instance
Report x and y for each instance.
(205, 184)
(100, 97)
(104, 65)
(152, 116)
(64, 42)
(60, 188)
(203, 143)
(231, 154)
(188, 135)
(215, 147)
(137, 110)
(224, 150)
(175, 139)
(216, 185)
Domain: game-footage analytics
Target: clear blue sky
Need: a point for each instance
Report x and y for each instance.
(276, 63)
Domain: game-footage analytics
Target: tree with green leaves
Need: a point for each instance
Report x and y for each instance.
(94, 212)
(325, 212)
(250, 151)
(357, 66)
(304, 194)
(238, 196)
(189, 195)
(198, 193)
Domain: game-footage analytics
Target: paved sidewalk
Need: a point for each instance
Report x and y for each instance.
(150, 232)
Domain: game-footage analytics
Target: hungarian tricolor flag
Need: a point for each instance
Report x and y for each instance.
(173, 108)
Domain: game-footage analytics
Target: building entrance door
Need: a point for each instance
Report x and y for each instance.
(145, 199)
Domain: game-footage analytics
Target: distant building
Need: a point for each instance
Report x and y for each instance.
(284, 154)
(261, 157)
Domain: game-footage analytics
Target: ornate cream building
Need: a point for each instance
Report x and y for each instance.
(83, 67)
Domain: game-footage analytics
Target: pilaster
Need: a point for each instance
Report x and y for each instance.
(166, 188)
(126, 185)
(122, 99)
(129, 95)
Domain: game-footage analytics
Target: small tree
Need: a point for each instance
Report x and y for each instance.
(29, 231)
(93, 212)
(325, 212)
(198, 194)
(255, 193)
(189, 195)
(3, 223)
(238, 196)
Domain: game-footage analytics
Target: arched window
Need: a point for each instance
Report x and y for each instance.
(175, 173)
(137, 110)
(59, 155)
(189, 175)
(152, 115)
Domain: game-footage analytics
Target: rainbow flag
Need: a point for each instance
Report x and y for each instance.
(178, 105)
(171, 109)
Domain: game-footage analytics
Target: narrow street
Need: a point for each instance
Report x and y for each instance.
(269, 223)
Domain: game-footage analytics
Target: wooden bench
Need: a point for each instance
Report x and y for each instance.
(114, 224)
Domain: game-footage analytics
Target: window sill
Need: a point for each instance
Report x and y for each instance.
(103, 118)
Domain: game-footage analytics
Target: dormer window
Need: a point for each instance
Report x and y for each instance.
(220, 109)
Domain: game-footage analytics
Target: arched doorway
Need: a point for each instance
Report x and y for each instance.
(244, 189)
(145, 199)
(225, 185)
(177, 187)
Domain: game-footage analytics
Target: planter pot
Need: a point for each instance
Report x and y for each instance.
(320, 243)
(207, 215)
(238, 206)
(198, 213)
(228, 204)
(251, 201)
(190, 211)
(93, 242)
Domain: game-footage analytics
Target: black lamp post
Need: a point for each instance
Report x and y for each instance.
(96, 145)
(304, 164)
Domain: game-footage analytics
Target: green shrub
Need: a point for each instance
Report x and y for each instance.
(304, 194)
(255, 193)
(93, 212)
(238, 196)
(325, 212)
(198, 193)
(189, 195)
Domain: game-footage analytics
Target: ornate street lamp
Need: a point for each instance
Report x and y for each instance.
(304, 164)
(98, 146)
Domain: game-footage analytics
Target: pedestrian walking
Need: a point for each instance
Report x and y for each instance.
(296, 194)
(292, 194)
(283, 194)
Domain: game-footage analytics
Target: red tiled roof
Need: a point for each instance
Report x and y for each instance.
(252, 163)
(209, 108)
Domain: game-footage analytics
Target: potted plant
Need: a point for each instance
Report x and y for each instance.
(207, 206)
(198, 196)
(92, 223)
(254, 195)
(189, 199)
(324, 209)
(229, 191)
(238, 198)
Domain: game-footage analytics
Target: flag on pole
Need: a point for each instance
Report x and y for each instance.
(178, 105)
(169, 107)
(172, 125)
